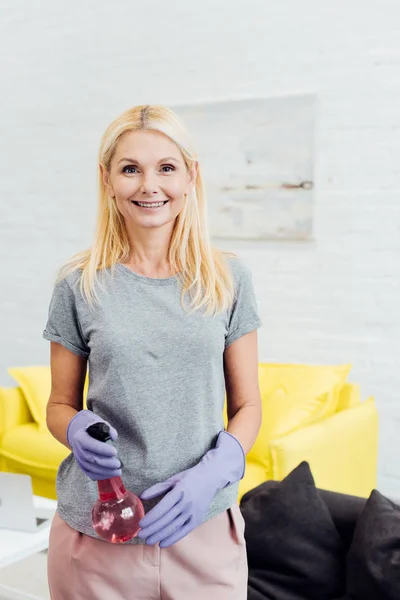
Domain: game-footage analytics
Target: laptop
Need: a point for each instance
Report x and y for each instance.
(17, 509)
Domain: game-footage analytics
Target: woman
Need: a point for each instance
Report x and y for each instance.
(164, 322)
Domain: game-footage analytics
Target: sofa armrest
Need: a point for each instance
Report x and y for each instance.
(341, 451)
(14, 410)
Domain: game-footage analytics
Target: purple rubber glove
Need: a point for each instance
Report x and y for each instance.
(191, 493)
(98, 460)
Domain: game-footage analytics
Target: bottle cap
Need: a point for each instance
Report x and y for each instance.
(101, 431)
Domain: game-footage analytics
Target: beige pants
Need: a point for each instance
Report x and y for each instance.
(210, 563)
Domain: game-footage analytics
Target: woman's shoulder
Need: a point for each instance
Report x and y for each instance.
(70, 278)
(67, 282)
(239, 268)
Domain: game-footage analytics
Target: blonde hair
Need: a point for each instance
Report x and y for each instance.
(202, 268)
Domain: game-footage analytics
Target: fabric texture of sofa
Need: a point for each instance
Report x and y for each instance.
(309, 413)
(305, 543)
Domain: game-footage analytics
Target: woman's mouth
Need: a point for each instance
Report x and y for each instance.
(150, 206)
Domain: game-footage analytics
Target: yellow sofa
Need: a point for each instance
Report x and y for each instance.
(309, 413)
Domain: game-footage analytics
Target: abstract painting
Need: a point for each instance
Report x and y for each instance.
(256, 157)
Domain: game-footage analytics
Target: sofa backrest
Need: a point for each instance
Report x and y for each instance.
(14, 409)
(34, 383)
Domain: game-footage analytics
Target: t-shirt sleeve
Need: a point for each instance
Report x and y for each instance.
(63, 324)
(244, 316)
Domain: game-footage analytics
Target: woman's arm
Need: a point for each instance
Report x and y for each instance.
(242, 389)
(68, 373)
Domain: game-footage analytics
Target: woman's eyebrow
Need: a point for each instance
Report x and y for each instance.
(133, 160)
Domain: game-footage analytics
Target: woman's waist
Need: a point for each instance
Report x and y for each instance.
(141, 469)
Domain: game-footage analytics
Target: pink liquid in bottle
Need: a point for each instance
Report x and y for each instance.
(117, 511)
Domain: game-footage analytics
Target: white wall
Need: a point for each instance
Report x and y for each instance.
(67, 72)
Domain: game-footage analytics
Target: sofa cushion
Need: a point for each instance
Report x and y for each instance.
(327, 446)
(294, 396)
(373, 561)
(13, 409)
(295, 379)
(293, 547)
(36, 450)
(254, 475)
(35, 383)
(349, 397)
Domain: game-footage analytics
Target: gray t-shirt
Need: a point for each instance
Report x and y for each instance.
(155, 374)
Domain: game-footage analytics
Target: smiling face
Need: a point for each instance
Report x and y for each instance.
(148, 169)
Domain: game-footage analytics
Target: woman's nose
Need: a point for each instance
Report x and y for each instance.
(148, 185)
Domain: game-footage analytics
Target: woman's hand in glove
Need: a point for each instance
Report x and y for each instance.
(191, 492)
(98, 460)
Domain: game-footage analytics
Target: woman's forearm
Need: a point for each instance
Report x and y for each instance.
(245, 425)
(58, 418)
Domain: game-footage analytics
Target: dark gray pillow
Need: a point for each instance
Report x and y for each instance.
(293, 547)
(373, 561)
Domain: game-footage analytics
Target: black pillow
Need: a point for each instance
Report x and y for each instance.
(293, 547)
(373, 561)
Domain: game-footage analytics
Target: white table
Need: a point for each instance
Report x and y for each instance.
(17, 545)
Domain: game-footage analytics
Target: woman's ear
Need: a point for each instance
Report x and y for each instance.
(106, 179)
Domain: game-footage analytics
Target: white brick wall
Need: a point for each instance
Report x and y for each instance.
(68, 71)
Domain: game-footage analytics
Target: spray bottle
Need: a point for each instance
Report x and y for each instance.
(117, 511)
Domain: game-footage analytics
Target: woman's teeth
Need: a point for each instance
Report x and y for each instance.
(150, 205)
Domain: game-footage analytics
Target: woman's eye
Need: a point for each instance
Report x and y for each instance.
(125, 169)
(133, 169)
